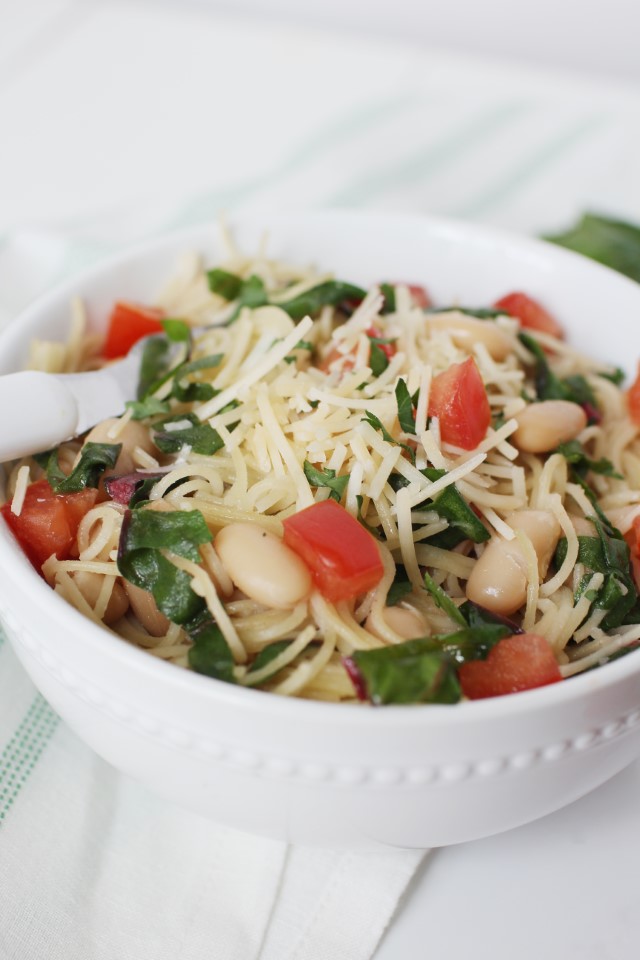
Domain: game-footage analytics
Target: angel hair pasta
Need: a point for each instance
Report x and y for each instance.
(340, 494)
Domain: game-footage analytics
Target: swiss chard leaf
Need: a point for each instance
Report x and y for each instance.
(326, 478)
(575, 454)
(210, 653)
(610, 556)
(413, 672)
(404, 402)
(616, 376)
(329, 293)
(224, 284)
(155, 364)
(374, 531)
(177, 330)
(480, 313)
(250, 293)
(95, 458)
(611, 242)
(477, 616)
(144, 534)
(388, 291)
(377, 424)
(201, 437)
(551, 387)
(378, 360)
(451, 506)
(150, 407)
(422, 670)
(400, 587)
(443, 600)
(267, 655)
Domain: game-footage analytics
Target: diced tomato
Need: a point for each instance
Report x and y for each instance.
(389, 349)
(632, 538)
(419, 296)
(520, 662)
(48, 522)
(633, 399)
(531, 314)
(459, 400)
(343, 558)
(129, 322)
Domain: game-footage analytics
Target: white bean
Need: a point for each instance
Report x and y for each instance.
(132, 435)
(89, 584)
(498, 580)
(542, 426)
(404, 620)
(145, 608)
(262, 566)
(466, 331)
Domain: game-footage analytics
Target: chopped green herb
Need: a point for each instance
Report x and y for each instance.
(404, 401)
(480, 313)
(155, 364)
(575, 454)
(326, 478)
(330, 293)
(374, 531)
(177, 330)
(443, 600)
(616, 376)
(389, 293)
(378, 360)
(267, 655)
(377, 424)
(224, 284)
(551, 387)
(151, 407)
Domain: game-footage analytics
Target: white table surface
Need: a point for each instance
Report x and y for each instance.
(106, 107)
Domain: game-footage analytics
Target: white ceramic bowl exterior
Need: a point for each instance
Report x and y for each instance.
(313, 772)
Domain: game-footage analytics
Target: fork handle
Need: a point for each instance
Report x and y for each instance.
(38, 412)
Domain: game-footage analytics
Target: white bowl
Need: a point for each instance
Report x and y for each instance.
(322, 773)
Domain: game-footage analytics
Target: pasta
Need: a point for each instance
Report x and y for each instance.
(495, 471)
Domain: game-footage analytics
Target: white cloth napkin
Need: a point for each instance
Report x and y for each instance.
(94, 867)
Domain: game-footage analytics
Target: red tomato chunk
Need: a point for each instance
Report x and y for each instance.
(129, 322)
(520, 662)
(343, 558)
(531, 314)
(48, 522)
(459, 400)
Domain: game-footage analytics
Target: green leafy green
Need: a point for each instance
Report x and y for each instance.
(400, 588)
(388, 291)
(377, 424)
(329, 293)
(551, 387)
(95, 458)
(422, 670)
(575, 454)
(443, 600)
(177, 330)
(616, 376)
(480, 313)
(450, 505)
(378, 360)
(145, 533)
(210, 653)
(374, 531)
(224, 284)
(413, 672)
(150, 407)
(154, 365)
(267, 655)
(404, 402)
(326, 478)
(612, 242)
(610, 556)
(201, 437)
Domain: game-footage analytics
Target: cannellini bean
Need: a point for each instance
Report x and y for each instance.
(542, 426)
(622, 517)
(90, 584)
(584, 527)
(498, 580)
(132, 435)
(145, 608)
(404, 620)
(262, 566)
(466, 331)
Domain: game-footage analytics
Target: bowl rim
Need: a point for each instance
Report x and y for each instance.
(235, 695)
